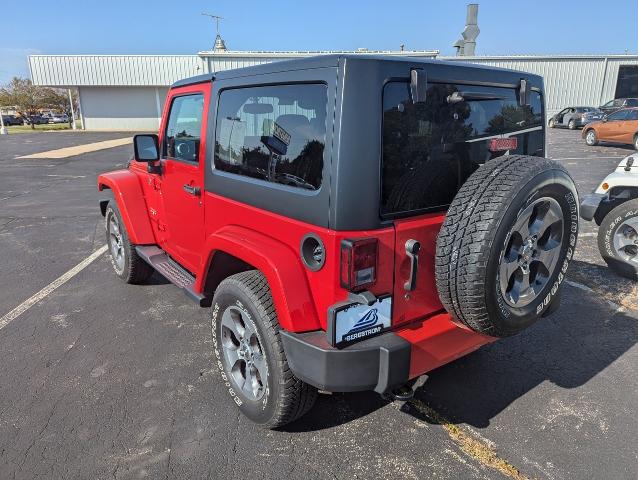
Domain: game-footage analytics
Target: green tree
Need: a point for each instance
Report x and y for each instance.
(29, 99)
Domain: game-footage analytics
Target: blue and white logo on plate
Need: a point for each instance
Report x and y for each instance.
(361, 321)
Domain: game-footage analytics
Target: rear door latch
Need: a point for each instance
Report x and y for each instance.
(412, 248)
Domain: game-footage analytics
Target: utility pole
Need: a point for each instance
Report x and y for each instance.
(74, 126)
(3, 129)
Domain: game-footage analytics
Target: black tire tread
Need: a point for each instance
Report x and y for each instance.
(463, 245)
(297, 397)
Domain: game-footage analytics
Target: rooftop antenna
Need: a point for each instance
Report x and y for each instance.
(220, 45)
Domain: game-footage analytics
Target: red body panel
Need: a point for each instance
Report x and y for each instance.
(437, 340)
(275, 241)
(423, 300)
(130, 200)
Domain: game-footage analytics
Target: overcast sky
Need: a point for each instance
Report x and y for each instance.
(177, 27)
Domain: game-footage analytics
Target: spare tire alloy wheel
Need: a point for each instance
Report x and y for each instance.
(532, 252)
(506, 242)
(618, 239)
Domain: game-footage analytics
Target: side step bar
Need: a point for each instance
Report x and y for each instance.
(173, 272)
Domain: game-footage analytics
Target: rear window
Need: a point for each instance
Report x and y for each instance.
(273, 133)
(430, 149)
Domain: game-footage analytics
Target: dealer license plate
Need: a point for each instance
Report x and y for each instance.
(356, 322)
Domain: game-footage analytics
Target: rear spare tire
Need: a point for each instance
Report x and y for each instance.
(505, 244)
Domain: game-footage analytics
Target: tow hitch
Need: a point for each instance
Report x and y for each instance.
(402, 394)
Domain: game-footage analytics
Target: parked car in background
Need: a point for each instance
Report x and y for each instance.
(11, 120)
(618, 127)
(614, 105)
(58, 118)
(575, 117)
(35, 120)
(614, 208)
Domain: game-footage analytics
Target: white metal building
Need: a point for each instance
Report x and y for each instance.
(127, 92)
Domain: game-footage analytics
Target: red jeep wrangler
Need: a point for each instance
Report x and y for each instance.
(354, 221)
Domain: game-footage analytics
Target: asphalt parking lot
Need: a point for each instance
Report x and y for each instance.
(104, 380)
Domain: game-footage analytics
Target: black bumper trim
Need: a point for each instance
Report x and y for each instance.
(589, 205)
(380, 363)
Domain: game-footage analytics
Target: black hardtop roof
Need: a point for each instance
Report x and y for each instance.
(333, 60)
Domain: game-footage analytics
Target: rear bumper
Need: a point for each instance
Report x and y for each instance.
(589, 205)
(379, 363)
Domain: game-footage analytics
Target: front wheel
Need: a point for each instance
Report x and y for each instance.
(250, 355)
(618, 239)
(128, 265)
(552, 123)
(590, 138)
(571, 125)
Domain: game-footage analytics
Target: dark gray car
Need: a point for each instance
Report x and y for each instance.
(618, 103)
(575, 117)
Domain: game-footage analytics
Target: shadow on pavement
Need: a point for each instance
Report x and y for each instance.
(568, 348)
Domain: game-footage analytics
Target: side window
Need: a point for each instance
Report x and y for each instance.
(632, 115)
(620, 115)
(273, 133)
(183, 130)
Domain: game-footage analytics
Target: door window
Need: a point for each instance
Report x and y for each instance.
(273, 133)
(183, 130)
(632, 115)
(620, 115)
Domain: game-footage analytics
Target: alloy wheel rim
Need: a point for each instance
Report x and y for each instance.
(626, 240)
(533, 247)
(243, 354)
(590, 137)
(116, 243)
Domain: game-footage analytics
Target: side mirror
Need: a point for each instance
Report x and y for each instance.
(418, 85)
(146, 147)
(605, 118)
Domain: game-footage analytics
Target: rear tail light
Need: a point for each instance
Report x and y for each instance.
(359, 263)
(502, 144)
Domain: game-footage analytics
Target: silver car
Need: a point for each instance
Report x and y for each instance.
(575, 117)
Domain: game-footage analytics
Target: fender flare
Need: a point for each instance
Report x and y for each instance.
(129, 197)
(280, 265)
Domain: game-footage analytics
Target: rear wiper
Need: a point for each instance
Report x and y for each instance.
(457, 97)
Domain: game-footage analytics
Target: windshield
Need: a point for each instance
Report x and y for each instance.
(430, 149)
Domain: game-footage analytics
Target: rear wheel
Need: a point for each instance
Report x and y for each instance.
(128, 265)
(636, 142)
(250, 354)
(505, 244)
(551, 124)
(618, 239)
(590, 138)
(571, 125)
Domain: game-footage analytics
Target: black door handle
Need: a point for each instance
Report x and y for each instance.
(412, 248)
(192, 190)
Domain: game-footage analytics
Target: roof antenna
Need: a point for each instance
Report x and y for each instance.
(220, 45)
